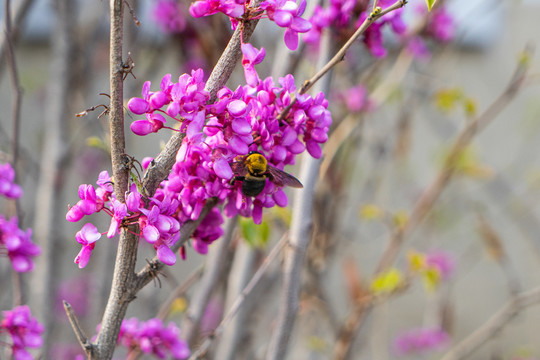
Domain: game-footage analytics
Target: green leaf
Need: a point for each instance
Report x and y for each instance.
(430, 4)
(255, 235)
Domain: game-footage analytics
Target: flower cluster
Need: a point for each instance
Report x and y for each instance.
(17, 244)
(184, 100)
(25, 331)
(169, 16)
(420, 341)
(157, 225)
(153, 337)
(434, 267)
(285, 13)
(7, 187)
(440, 27)
(14, 242)
(341, 15)
(218, 137)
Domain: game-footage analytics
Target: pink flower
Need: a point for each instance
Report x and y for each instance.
(25, 331)
(18, 244)
(7, 187)
(153, 337)
(251, 57)
(287, 14)
(421, 341)
(442, 261)
(169, 16)
(87, 237)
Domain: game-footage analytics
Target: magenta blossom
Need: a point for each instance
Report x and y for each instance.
(218, 137)
(287, 14)
(420, 341)
(441, 261)
(18, 245)
(7, 187)
(251, 57)
(25, 331)
(87, 237)
(153, 337)
(169, 16)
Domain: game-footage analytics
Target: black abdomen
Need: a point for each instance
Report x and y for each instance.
(253, 185)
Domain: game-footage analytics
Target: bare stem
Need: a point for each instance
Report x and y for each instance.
(240, 300)
(433, 191)
(340, 55)
(301, 226)
(79, 333)
(215, 263)
(493, 325)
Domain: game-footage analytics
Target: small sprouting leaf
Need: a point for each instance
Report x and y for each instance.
(178, 306)
(417, 261)
(96, 142)
(255, 235)
(431, 278)
(447, 99)
(470, 106)
(387, 282)
(371, 212)
(400, 218)
(430, 4)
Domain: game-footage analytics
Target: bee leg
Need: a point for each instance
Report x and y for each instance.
(236, 178)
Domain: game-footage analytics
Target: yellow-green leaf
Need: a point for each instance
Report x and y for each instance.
(255, 235)
(431, 278)
(417, 261)
(430, 4)
(387, 282)
(447, 99)
(370, 212)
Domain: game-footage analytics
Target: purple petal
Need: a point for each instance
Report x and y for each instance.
(166, 255)
(238, 145)
(138, 106)
(314, 149)
(241, 126)
(88, 234)
(223, 169)
(257, 213)
(280, 198)
(142, 127)
(300, 25)
(150, 233)
(158, 99)
(291, 39)
(249, 52)
(83, 257)
(283, 18)
(21, 263)
(237, 108)
(74, 214)
(113, 228)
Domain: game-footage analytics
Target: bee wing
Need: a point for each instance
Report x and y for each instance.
(281, 178)
(239, 169)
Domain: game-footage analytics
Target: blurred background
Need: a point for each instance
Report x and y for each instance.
(395, 120)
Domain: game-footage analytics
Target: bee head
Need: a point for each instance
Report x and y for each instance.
(256, 163)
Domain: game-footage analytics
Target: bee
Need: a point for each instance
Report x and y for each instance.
(253, 170)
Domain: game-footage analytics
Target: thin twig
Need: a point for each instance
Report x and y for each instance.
(301, 226)
(493, 325)
(21, 10)
(240, 300)
(16, 121)
(79, 333)
(216, 263)
(179, 291)
(340, 55)
(146, 274)
(434, 190)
